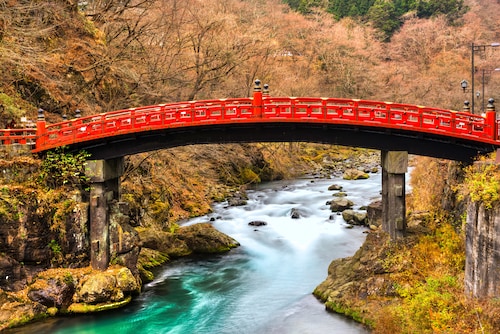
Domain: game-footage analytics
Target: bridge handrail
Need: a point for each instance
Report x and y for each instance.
(383, 113)
(355, 112)
(25, 136)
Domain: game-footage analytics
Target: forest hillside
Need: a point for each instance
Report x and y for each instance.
(99, 56)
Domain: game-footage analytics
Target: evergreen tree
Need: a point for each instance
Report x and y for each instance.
(405, 6)
(452, 9)
(339, 8)
(384, 17)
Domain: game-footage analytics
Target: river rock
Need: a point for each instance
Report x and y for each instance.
(15, 311)
(374, 213)
(335, 187)
(98, 288)
(257, 223)
(205, 239)
(54, 292)
(354, 174)
(340, 204)
(113, 285)
(354, 217)
(295, 213)
(370, 169)
(237, 199)
(165, 242)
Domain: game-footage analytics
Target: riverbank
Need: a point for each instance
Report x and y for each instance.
(415, 285)
(66, 291)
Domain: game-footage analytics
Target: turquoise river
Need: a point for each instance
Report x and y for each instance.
(264, 286)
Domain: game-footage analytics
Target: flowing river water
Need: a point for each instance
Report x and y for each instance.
(264, 286)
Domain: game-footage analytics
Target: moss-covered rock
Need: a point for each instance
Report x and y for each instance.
(203, 238)
(151, 258)
(351, 281)
(355, 174)
(339, 204)
(199, 238)
(113, 285)
(54, 292)
(164, 242)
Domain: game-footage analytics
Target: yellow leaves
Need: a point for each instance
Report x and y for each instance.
(247, 176)
(427, 182)
(428, 278)
(481, 184)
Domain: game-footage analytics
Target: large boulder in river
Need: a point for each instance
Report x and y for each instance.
(205, 239)
(165, 242)
(112, 285)
(340, 204)
(355, 174)
(196, 238)
(354, 217)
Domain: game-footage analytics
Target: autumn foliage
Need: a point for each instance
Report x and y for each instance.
(111, 55)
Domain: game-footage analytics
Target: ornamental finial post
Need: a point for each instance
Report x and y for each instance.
(491, 119)
(41, 115)
(466, 107)
(265, 92)
(491, 104)
(257, 100)
(40, 129)
(256, 87)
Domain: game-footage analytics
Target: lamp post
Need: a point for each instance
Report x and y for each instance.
(464, 84)
(475, 48)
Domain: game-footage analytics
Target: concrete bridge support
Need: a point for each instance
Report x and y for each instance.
(105, 187)
(394, 166)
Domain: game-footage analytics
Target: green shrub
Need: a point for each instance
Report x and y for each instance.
(64, 169)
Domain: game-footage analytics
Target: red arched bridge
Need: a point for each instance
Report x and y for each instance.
(361, 123)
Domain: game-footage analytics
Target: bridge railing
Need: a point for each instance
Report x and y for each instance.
(142, 119)
(258, 109)
(393, 115)
(25, 136)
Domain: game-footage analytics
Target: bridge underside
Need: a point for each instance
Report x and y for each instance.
(354, 136)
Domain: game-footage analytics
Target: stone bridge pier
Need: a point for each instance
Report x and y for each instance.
(394, 166)
(105, 188)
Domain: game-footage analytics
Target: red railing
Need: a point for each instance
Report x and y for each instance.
(259, 109)
(25, 136)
